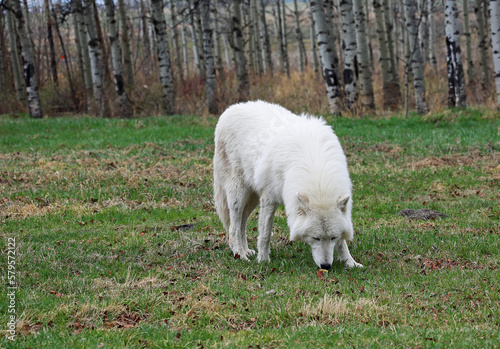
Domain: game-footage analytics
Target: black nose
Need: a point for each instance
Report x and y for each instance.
(325, 266)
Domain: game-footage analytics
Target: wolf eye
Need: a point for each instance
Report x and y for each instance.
(334, 238)
(317, 239)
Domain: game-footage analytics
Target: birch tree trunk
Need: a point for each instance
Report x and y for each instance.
(34, 106)
(392, 93)
(128, 65)
(16, 67)
(50, 39)
(482, 44)
(363, 51)
(468, 43)
(391, 38)
(184, 51)
(328, 62)
(82, 34)
(298, 34)
(95, 60)
(416, 62)
(432, 35)
(217, 42)
(166, 79)
(495, 40)
(349, 48)
(264, 39)
(313, 41)
(456, 82)
(175, 36)
(210, 81)
(239, 53)
(196, 44)
(116, 60)
(284, 38)
(146, 51)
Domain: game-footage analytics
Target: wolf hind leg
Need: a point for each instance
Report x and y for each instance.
(345, 256)
(239, 200)
(266, 217)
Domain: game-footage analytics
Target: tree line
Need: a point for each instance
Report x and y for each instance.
(79, 48)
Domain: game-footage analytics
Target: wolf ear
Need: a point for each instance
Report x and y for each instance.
(342, 202)
(303, 204)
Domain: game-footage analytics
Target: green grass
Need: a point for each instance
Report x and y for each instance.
(93, 205)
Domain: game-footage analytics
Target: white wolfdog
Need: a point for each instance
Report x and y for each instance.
(265, 155)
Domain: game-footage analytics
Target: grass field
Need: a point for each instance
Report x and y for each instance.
(117, 243)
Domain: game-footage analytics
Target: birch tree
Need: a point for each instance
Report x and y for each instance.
(482, 43)
(416, 61)
(456, 82)
(392, 94)
(363, 55)
(328, 63)
(166, 78)
(14, 58)
(468, 42)
(116, 60)
(50, 39)
(264, 38)
(432, 34)
(349, 49)
(82, 37)
(239, 52)
(96, 64)
(34, 106)
(210, 81)
(175, 37)
(128, 65)
(495, 40)
(298, 34)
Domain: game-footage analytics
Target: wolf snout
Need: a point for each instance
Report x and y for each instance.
(325, 266)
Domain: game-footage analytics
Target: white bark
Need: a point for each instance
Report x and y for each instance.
(208, 44)
(264, 38)
(349, 49)
(328, 62)
(16, 67)
(391, 91)
(175, 36)
(432, 34)
(166, 79)
(239, 53)
(82, 35)
(298, 34)
(456, 83)
(495, 40)
(128, 65)
(34, 106)
(468, 42)
(363, 51)
(96, 64)
(116, 60)
(415, 56)
(482, 44)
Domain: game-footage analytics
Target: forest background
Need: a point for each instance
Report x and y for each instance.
(142, 58)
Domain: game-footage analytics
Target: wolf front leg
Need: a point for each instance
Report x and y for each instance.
(266, 217)
(345, 256)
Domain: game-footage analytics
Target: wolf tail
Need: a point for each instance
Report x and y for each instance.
(221, 201)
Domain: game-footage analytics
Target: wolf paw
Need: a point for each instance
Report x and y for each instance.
(245, 254)
(351, 263)
(263, 258)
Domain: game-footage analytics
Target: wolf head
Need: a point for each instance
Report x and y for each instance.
(322, 226)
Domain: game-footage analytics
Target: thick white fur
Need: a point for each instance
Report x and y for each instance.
(265, 155)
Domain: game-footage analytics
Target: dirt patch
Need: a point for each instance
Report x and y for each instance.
(422, 213)
(468, 159)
